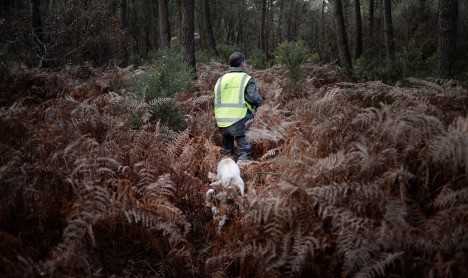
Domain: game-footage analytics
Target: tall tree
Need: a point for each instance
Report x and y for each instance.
(36, 18)
(289, 17)
(371, 19)
(263, 42)
(124, 26)
(148, 25)
(179, 12)
(209, 27)
(343, 48)
(448, 17)
(357, 14)
(164, 27)
(280, 22)
(322, 31)
(188, 29)
(389, 38)
(124, 14)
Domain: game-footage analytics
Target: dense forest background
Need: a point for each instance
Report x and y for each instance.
(372, 38)
(108, 142)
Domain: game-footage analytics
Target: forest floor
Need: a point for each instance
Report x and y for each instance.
(349, 179)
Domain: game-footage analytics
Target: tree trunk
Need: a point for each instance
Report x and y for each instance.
(114, 6)
(371, 19)
(289, 23)
(36, 19)
(124, 26)
(322, 31)
(240, 33)
(124, 14)
(179, 16)
(422, 5)
(188, 28)
(164, 31)
(280, 22)
(389, 39)
(149, 23)
(448, 17)
(357, 14)
(209, 27)
(262, 44)
(343, 48)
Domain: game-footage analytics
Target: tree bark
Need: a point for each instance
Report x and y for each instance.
(149, 23)
(448, 17)
(209, 27)
(164, 28)
(371, 19)
(188, 28)
(289, 23)
(262, 44)
(124, 26)
(357, 14)
(280, 22)
(240, 23)
(343, 48)
(179, 16)
(124, 14)
(389, 39)
(322, 31)
(36, 19)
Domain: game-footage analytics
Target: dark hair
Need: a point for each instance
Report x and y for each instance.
(236, 59)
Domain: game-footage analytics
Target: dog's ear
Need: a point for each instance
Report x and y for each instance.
(211, 176)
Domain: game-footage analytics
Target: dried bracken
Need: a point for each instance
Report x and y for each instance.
(350, 180)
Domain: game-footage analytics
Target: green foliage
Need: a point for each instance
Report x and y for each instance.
(136, 121)
(313, 57)
(292, 55)
(225, 50)
(370, 67)
(168, 113)
(158, 86)
(418, 59)
(169, 75)
(258, 59)
(206, 56)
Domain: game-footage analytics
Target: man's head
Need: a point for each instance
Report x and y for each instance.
(237, 59)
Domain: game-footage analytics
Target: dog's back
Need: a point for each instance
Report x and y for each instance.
(228, 174)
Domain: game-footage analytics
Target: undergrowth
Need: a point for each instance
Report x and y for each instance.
(350, 180)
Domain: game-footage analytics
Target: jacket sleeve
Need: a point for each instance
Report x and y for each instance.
(252, 95)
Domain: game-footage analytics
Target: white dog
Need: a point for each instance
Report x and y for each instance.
(223, 196)
(228, 175)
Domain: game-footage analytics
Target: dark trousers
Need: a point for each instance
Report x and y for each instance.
(236, 133)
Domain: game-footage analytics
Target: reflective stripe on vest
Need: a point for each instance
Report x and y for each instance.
(229, 103)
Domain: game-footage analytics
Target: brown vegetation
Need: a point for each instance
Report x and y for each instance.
(350, 180)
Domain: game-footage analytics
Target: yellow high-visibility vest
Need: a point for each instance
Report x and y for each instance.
(229, 103)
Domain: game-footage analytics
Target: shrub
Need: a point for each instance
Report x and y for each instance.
(258, 59)
(225, 51)
(158, 86)
(167, 112)
(169, 75)
(205, 56)
(370, 67)
(313, 57)
(292, 55)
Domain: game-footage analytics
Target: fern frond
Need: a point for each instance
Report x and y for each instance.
(451, 198)
(174, 149)
(379, 268)
(304, 247)
(451, 148)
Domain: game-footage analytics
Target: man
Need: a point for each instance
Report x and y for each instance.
(236, 99)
